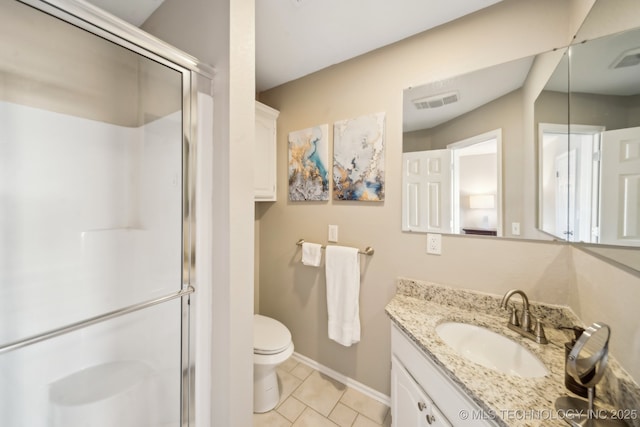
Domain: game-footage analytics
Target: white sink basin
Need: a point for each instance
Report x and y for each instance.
(491, 350)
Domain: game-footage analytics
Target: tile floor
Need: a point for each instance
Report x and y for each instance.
(311, 399)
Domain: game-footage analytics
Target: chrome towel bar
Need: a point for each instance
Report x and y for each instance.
(366, 251)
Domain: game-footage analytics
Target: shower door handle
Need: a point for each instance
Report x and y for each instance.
(5, 348)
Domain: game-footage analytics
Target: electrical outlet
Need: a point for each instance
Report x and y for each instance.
(333, 233)
(515, 228)
(434, 244)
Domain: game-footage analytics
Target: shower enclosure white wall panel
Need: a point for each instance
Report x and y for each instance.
(31, 375)
(72, 230)
(77, 242)
(95, 210)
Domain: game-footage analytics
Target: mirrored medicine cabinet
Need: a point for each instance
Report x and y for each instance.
(466, 169)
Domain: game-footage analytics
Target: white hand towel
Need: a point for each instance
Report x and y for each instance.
(311, 254)
(342, 268)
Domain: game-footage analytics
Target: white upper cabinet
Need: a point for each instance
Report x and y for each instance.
(264, 171)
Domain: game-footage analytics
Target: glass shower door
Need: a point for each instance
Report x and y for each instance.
(92, 279)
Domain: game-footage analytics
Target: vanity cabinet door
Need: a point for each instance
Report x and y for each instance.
(411, 406)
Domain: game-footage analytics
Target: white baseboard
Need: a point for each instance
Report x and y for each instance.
(349, 382)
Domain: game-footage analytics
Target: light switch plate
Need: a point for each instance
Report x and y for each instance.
(333, 233)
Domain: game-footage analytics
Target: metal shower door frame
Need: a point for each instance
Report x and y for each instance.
(104, 25)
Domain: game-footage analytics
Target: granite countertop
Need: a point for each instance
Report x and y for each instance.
(418, 307)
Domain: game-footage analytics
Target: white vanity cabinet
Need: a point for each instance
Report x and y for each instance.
(422, 394)
(264, 171)
(411, 405)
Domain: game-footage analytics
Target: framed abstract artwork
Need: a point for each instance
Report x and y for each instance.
(358, 158)
(308, 160)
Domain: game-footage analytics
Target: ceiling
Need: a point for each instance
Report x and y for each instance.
(295, 38)
(592, 71)
(473, 90)
(134, 12)
(593, 66)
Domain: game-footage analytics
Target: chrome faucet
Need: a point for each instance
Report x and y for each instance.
(523, 325)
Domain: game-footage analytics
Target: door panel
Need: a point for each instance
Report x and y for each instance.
(620, 208)
(427, 191)
(91, 222)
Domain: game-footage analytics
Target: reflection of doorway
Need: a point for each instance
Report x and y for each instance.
(477, 184)
(453, 189)
(569, 181)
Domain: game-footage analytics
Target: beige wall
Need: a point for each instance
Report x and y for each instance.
(295, 294)
(610, 295)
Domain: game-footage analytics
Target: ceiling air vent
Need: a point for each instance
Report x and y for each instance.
(436, 101)
(628, 58)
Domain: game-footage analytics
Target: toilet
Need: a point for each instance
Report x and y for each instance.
(272, 345)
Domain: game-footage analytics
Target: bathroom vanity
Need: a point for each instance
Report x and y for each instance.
(433, 383)
(417, 383)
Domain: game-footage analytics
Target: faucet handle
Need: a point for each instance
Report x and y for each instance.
(513, 316)
(538, 332)
(526, 320)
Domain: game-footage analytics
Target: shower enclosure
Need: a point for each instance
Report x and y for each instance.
(98, 136)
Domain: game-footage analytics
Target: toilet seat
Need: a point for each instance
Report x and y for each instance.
(272, 345)
(269, 336)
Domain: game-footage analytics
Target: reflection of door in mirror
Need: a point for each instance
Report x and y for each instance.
(605, 92)
(426, 188)
(570, 182)
(454, 190)
(620, 208)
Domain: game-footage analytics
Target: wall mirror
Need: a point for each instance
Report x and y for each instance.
(454, 132)
(590, 170)
(572, 117)
(589, 156)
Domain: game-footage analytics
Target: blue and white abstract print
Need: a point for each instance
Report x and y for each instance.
(308, 158)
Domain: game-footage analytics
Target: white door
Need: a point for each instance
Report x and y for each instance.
(426, 184)
(413, 188)
(410, 405)
(620, 190)
(565, 195)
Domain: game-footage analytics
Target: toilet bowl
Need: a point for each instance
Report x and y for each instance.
(272, 345)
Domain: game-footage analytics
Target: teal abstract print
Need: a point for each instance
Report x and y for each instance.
(308, 159)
